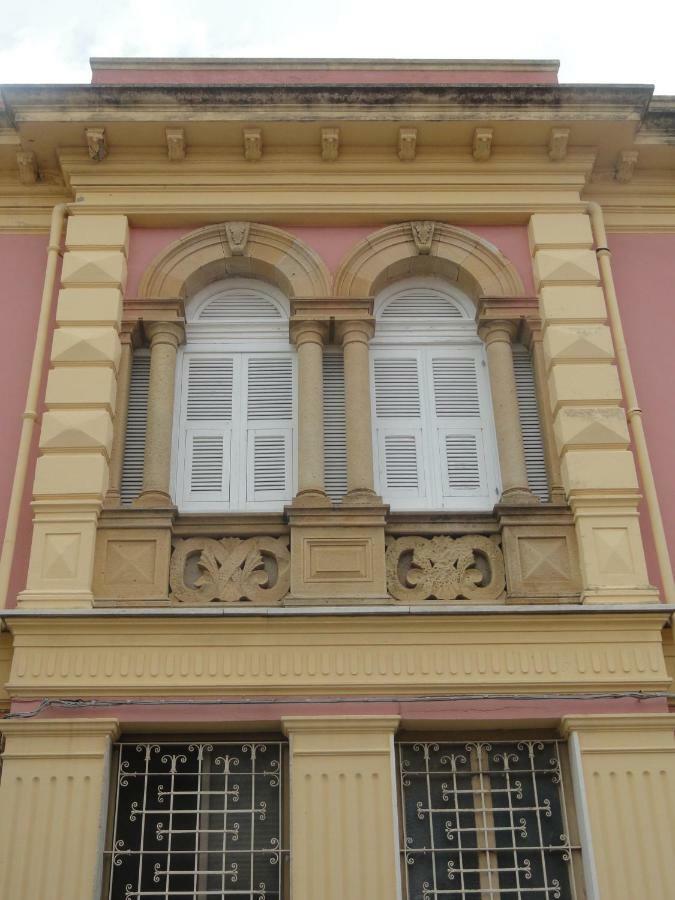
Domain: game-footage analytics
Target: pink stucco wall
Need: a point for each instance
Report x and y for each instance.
(332, 244)
(644, 272)
(22, 263)
(292, 76)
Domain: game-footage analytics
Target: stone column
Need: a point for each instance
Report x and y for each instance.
(164, 338)
(309, 337)
(344, 831)
(551, 457)
(54, 780)
(129, 340)
(498, 335)
(355, 336)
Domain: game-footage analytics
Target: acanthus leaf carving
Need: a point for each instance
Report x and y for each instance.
(445, 568)
(205, 570)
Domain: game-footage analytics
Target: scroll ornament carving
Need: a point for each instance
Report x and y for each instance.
(204, 570)
(446, 568)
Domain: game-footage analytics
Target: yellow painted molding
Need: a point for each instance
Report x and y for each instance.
(5, 666)
(551, 231)
(326, 655)
(53, 729)
(643, 726)
(72, 387)
(95, 305)
(563, 304)
(97, 233)
(340, 725)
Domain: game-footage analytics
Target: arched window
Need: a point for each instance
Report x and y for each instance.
(235, 410)
(235, 413)
(434, 437)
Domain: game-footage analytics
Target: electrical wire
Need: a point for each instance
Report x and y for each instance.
(81, 703)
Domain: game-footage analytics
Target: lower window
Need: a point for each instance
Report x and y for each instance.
(486, 820)
(194, 820)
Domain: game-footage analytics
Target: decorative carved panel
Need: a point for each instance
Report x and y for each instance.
(205, 570)
(445, 568)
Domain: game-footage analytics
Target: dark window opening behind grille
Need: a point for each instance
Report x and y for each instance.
(198, 820)
(485, 820)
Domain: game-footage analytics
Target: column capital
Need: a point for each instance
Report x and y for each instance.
(172, 333)
(359, 330)
(498, 330)
(303, 331)
(61, 728)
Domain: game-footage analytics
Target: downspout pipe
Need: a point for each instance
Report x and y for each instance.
(30, 414)
(633, 411)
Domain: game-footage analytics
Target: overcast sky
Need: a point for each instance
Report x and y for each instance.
(594, 41)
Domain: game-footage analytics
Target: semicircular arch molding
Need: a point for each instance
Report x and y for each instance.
(203, 256)
(460, 257)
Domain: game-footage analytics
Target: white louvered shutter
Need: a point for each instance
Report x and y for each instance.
(334, 429)
(206, 430)
(134, 439)
(459, 417)
(530, 423)
(398, 427)
(269, 408)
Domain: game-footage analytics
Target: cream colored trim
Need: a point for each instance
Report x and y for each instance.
(333, 655)
(30, 414)
(204, 255)
(391, 254)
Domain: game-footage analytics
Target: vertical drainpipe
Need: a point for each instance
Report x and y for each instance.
(30, 414)
(633, 411)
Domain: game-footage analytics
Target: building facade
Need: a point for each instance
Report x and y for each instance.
(336, 557)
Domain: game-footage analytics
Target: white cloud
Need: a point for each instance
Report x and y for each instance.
(593, 42)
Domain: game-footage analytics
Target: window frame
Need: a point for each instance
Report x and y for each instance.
(421, 337)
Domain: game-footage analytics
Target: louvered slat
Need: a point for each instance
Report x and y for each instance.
(421, 303)
(462, 460)
(334, 431)
(397, 389)
(455, 384)
(269, 474)
(207, 462)
(240, 304)
(134, 440)
(528, 408)
(401, 462)
(209, 389)
(270, 388)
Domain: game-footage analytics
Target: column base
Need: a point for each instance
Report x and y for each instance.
(519, 497)
(312, 499)
(153, 500)
(361, 497)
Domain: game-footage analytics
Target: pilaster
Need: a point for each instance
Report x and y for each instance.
(624, 774)
(344, 834)
(597, 466)
(71, 475)
(53, 797)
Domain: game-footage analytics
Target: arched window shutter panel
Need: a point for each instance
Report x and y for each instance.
(206, 427)
(334, 430)
(459, 416)
(134, 439)
(269, 428)
(530, 424)
(398, 425)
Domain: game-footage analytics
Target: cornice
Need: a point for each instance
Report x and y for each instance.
(114, 103)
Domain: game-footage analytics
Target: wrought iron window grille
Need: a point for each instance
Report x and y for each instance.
(485, 820)
(198, 820)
